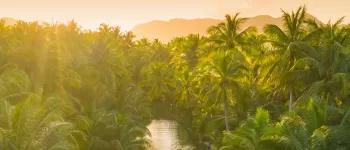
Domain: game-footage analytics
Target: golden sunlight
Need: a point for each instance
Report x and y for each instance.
(174, 74)
(128, 13)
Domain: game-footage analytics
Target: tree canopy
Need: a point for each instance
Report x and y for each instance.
(288, 87)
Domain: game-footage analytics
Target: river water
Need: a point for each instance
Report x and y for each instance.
(164, 135)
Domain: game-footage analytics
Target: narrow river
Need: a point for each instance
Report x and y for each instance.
(164, 135)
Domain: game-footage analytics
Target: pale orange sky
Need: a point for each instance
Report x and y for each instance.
(127, 13)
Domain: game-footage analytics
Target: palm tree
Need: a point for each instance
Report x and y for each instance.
(110, 130)
(289, 133)
(139, 58)
(245, 42)
(308, 131)
(6, 41)
(34, 124)
(248, 135)
(159, 51)
(104, 72)
(157, 81)
(287, 47)
(14, 83)
(29, 48)
(224, 74)
(327, 34)
(184, 94)
(229, 35)
(185, 51)
(332, 64)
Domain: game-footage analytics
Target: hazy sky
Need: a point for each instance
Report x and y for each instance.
(127, 13)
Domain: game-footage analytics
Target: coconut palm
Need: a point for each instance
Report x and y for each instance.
(34, 124)
(327, 34)
(184, 94)
(308, 131)
(286, 47)
(185, 51)
(157, 81)
(224, 74)
(230, 35)
(110, 130)
(14, 83)
(331, 66)
(249, 135)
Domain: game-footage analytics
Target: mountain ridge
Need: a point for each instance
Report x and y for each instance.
(9, 21)
(166, 30)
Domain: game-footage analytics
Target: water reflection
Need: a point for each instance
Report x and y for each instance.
(164, 135)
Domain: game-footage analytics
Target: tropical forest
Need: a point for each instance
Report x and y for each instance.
(286, 87)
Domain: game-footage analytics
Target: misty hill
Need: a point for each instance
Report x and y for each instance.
(9, 21)
(166, 30)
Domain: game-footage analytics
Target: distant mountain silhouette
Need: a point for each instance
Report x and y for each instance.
(9, 21)
(166, 30)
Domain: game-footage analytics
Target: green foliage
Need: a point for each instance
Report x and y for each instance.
(62, 87)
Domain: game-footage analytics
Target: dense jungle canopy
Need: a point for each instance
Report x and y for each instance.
(62, 87)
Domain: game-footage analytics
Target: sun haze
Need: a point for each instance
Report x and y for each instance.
(174, 74)
(128, 13)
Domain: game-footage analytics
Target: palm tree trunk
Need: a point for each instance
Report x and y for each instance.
(209, 146)
(345, 117)
(226, 109)
(226, 120)
(290, 100)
